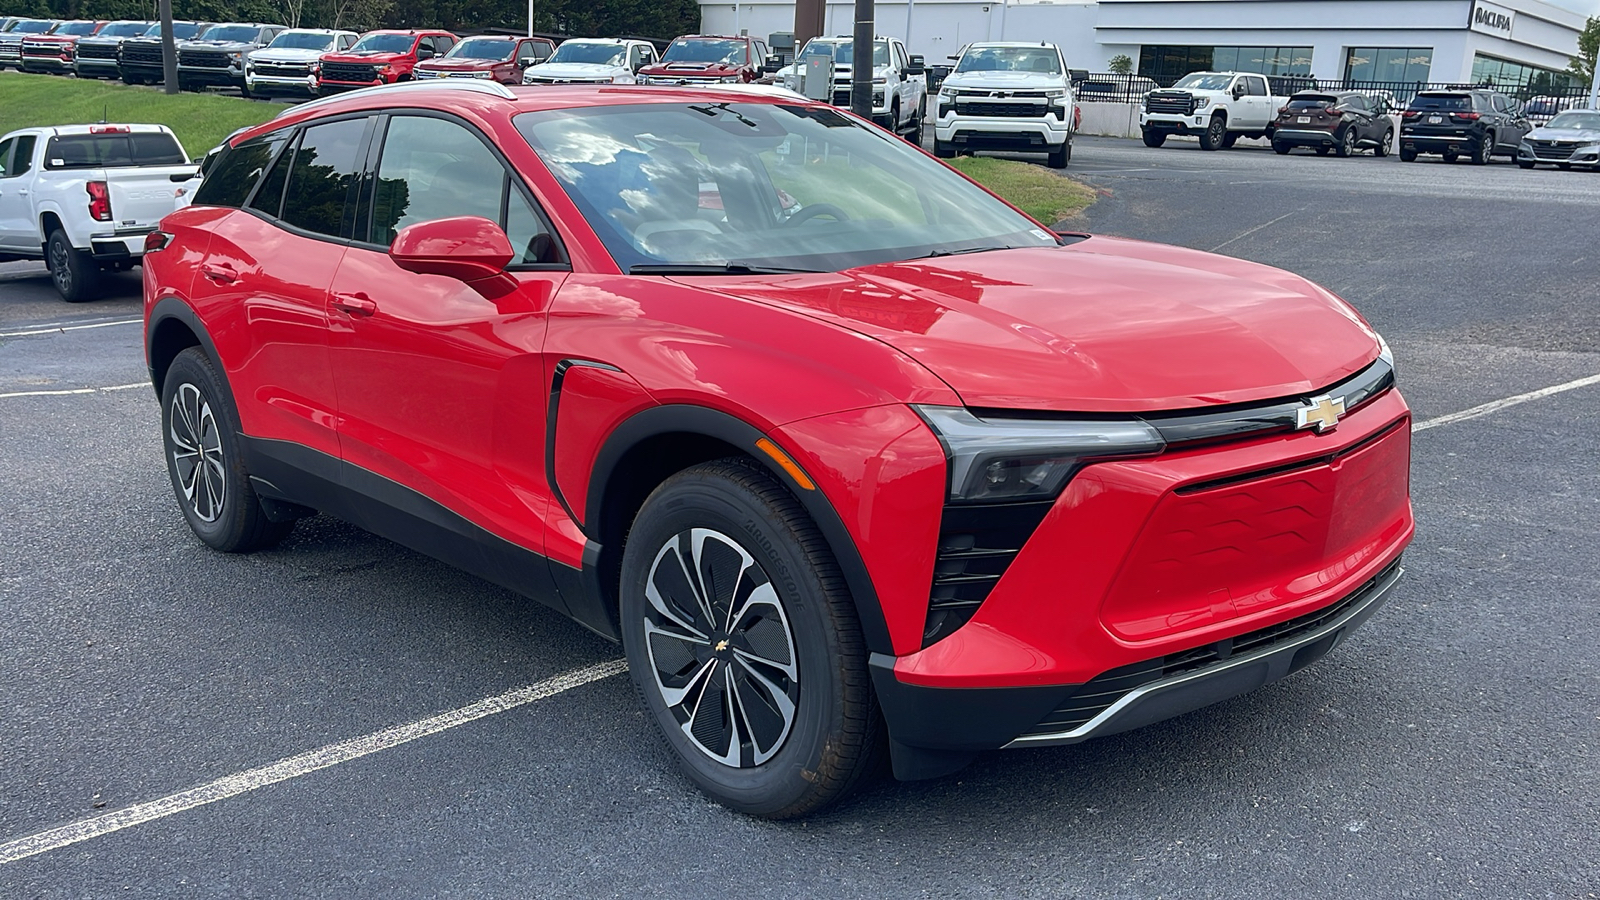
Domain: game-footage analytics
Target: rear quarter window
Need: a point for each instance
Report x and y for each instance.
(229, 180)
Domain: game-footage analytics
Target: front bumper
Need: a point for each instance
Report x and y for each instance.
(53, 64)
(282, 84)
(207, 75)
(1176, 124)
(1586, 156)
(1002, 133)
(95, 67)
(1156, 586)
(10, 57)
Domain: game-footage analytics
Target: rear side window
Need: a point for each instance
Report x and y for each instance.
(93, 151)
(269, 199)
(320, 179)
(22, 160)
(235, 172)
(1442, 101)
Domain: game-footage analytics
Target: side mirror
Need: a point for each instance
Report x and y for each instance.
(424, 53)
(1238, 92)
(772, 63)
(526, 61)
(470, 249)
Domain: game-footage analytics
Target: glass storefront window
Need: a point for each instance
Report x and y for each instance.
(1405, 64)
(1167, 64)
(1510, 76)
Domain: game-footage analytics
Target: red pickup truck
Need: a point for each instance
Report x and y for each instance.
(380, 57)
(493, 57)
(707, 59)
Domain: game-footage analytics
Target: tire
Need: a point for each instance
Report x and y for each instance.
(1154, 138)
(1564, 166)
(1408, 155)
(795, 649)
(894, 117)
(1347, 143)
(74, 272)
(1451, 156)
(1058, 158)
(244, 90)
(1484, 152)
(1524, 164)
(1215, 134)
(1383, 143)
(1280, 148)
(943, 150)
(1323, 151)
(200, 439)
(914, 136)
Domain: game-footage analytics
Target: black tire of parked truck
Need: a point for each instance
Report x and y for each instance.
(1059, 157)
(1216, 134)
(1154, 137)
(75, 273)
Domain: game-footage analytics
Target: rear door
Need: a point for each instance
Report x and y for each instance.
(18, 231)
(1258, 102)
(435, 381)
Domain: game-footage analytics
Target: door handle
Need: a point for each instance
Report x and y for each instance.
(357, 304)
(219, 273)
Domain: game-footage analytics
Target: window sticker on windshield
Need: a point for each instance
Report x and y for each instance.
(1040, 234)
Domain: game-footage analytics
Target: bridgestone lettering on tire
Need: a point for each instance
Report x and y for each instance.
(744, 644)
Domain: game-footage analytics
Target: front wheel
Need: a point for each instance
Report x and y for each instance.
(1214, 135)
(943, 149)
(244, 90)
(744, 644)
(1060, 156)
(74, 272)
(1154, 138)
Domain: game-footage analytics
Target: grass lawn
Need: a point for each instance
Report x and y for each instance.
(1037, 191)
(201, 121)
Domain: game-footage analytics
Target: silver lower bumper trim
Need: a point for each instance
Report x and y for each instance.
(1158, 700)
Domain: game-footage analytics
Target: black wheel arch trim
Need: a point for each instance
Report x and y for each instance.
(706, 422)
(167, 308)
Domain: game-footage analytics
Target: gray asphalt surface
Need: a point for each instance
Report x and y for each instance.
(1449, 749)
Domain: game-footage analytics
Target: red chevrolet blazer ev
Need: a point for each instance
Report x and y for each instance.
(850, 455)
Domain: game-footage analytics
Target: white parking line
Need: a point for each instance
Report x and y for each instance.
(305, 763)
(70, 391)
(1495, 406)
(54, 328)
(1256, 229)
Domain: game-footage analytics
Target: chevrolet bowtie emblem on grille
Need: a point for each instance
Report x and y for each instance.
(1324, 412)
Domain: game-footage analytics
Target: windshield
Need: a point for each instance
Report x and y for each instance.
(1441, 101)
(34, 27)
(125, 29)
(1044, 60)
(385, 43)
(482, 48)
(301, 40)
(181, 31)
(700, 50)
(842, 51)
(242, 33)
(1577, 119)
(1203, 81)
(763, 185)
(75, 29)
(581, 52)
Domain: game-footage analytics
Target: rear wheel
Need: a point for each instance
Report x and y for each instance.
(1383, 143)
(744, 644)
(1484, 152)
(1280, 148)
(1154, 138)
(1347, 142)
(1215, 133)
(914, 135)
(74, 272)
(200, 433)
(1408, 155)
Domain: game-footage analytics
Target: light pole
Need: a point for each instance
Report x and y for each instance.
(861, 61)
(169, 50)
(530, 18)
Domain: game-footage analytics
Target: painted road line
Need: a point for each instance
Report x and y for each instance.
(1495, 406)
(71, 391)
(303, 764)
(58, 329)
(1256, 229)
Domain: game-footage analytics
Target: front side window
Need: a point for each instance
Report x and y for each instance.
(762, 185)
(228, 181)
(320, 179)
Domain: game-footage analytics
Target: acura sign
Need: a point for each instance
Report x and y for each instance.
(1490, 18)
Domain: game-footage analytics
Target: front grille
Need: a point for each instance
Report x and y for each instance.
(1099, 693)
(283, 70)
(1000, 109)
(841, 96)
(541, 80)
(976, 545)
(1556, 150)
(349, 72)
(202, 59)
(51, 50)
(142, 54)
(1169, 104)
(97, 51)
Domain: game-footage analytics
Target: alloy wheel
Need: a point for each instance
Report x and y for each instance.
(60, 267)
(197, 453)
(721, 650)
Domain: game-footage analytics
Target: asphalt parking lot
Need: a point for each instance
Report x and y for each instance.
(1450, 749)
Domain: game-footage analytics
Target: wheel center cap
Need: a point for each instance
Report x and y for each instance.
(722, 646)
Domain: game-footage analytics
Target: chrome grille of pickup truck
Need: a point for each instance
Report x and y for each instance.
(1005, 104)
(1169, 104)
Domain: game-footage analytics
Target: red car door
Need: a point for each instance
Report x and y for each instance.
(262, 289)
(436, 382)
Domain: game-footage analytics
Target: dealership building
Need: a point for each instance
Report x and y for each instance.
(1508, 43)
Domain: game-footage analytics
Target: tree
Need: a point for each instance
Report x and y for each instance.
(1582, 65)
(1120, 64)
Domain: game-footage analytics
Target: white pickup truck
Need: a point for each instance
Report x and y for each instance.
(1218, 106)
(82, 197)
(899, 81)
(1007, 96)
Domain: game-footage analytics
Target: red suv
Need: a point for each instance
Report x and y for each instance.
(847, 453)
(380, 57)
(707, 59)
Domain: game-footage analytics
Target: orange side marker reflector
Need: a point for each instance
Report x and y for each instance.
(782, 459)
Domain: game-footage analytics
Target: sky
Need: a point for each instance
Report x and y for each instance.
(1587, 7)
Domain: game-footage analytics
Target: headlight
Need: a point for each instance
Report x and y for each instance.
(1384, 353)
(385, 67)
(1202, 102)
(730, 79)
(644, 79)
(1006, 460)
(947, 93)
(482, 74)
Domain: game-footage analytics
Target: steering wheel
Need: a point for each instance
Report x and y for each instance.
(808, 213)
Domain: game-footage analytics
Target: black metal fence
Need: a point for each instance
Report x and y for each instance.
(1540, 101)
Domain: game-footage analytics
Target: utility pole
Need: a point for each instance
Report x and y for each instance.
(530, 18)
(810, 17)
(861, 68)
(169, 50)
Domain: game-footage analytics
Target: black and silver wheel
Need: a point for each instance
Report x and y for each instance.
(1347, 141)
(1383, 143)
(74, 273)
(1484, 152)
(1215, 133)
(200, 435)
(744, 643)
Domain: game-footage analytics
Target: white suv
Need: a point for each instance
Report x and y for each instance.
(1007, 95)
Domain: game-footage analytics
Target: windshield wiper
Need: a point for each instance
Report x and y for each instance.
(938, 253)
(713, 269)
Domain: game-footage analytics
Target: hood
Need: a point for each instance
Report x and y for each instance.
(1006, 80)
(1586, 135)
(460, 64)
(229, 46)
(691, 70)
(1104, 325)
(378, 57)
(287, 55)
(106, 39)
(578, 70)
(53, 38)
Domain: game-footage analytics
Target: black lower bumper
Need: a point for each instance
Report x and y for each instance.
(935, 731)
(1427, 144)
(217, 77)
